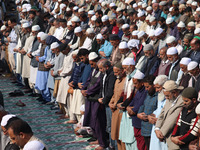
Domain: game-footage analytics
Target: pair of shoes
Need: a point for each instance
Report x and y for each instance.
(54, 107)
(19, 84)
(32, 95)
(44, 102)
(14, 81)
(16, 93)
(50, 103)
(92, 139)
(28, 91)
(58, 112)
(20, 104)
(94, 142)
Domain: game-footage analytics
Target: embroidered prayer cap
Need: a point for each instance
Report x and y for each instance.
(99, 36)
(197, 31)
(54, 45)
(92, 56)
(34, 145)
(113, 37)
(158, 31)
(133, 43)
(26, 25)
(197, 109)
(190, 93)
(91, 12)
(82, 108)
(77, 29)
(94, 18)
(3, 27)
(123, 45)
(125, 26)
(104, 18)
(35, 28)
(128, 61)
(6, 118)
(148, 47)
(172, 51)
(191, 24)
(170, 39)
(169, 20)
(185, 61)
(181, 24)
(171, 85)
(40, 34)
(192, 65)
(141, 34)
(139, 75)
(44, 37)
(75, 19)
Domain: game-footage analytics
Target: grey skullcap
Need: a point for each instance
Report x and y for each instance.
(148, 47)
(188, 36)
(118, 65)
(190, 93)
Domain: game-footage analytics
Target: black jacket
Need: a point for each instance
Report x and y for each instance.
(108, 87)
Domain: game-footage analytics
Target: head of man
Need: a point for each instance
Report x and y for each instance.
(126, 29)
(138, 80)
(159, 82)
(63, 23)
(32, 14)
(83, 55)
(171, 41)
(148, 84)
(155, 6)
(172, 54)
(193, 68)
(184, 63)
(170, 22)
(114, 40)
(128, 65)
(118, 71)
(75, 56)
(20, 132)
(12, 22)
(93, 59)
(171, 90)
(163, 54)
(26, 27)
(104, 65)
(189, 96)
(64, 48)
(78, 31)
(195, 44)
(187, 39)
(55, 48)
(35, 30)
(148, 50)
(90, 33)
(123, 47)
(191, 27)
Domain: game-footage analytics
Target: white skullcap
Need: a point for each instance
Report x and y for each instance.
(189, 2)
(28, 8)
(135, 32)
(68, 9)
(123, 45)
(100, 1)
(154, 1)
(194, 3)
(59, 0)
(192, 65)
(75, 8)
(169, 20)
(75, 52)
(197, 31)
(34, 145)
(82, 108)
(6, 118)
(144, 5)
(141, 34)
(91, 12)
(134, 5)
(147, 17)
(197, 109)
(99, 36)
(103, 4)
(133, 44)
(198, 9)
(81, 10)
(172, 51)
(139, 75)
(149, 8)
(17, 1)
(54, 45)
(90, 30)
(151, 19)
(77, 29)
(162, 3)
(44, 37)
(125, 26)
(69, 23)
(26, 25)
(181, 24)
(112, 5)
(185, 61)
(3, 27)
(152, 32)
(139, 3)
(158, 31)
(23, 21)
(35, 28)
(94, 18)
(62, 6)
(128, 61)
(170, 9)
(140, 14)
(191, 24)
(104, 18)
(92, 56)
(119, 9)
(170, 39)
(75, 19)
(24, 10)
(40, 34)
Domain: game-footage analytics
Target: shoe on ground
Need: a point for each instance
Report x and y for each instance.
(92, 139)
(71, 122)
(59, 112)
(28, 91)
(94, 142)
(44, 102)
(20, 104)
(32, 95)
(50, 103)
(54, 107)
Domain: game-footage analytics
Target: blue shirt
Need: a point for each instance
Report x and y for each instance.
(150, 104)
(85, 75)
(106, 48)
(137, 101)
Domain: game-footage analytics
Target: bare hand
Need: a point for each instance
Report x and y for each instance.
(112, 107)
(152, 119)
(71, 84)
(63, 41)
(37, 58)
(192, 147)
(23, 52)
(120, 107)
(29, 55)
(142, 116)
(102, 54)
(80, 85)
(130, 111)
(9, 39)
(100, 100)
(52, 73)
(59, 72)
(176, 140)
(159, 135)
(84, 92)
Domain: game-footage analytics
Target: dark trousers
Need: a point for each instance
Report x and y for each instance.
(147, 141)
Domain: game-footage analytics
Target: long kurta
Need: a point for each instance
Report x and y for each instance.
(26, 59)
(116, 115)
(65, 76)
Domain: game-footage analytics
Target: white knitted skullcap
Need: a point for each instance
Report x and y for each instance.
(6, 118)
(34, 145)
(40, 34)
(141, 34)
(158, 31)
(75, 19)
(94, 18)
(192, 65)
(44, 36)
(54, 45)
(181, 24)
(172, 51)
(104, 18)
(185, 61)
(170, 39)
(77, 29)
(91, 12)
(90, 31)
(92, 56)
(99, 36)
(169, 20)
(197, 31)
(149, 8)
(128, 61)
(26, 25)
(3, 27)
(123, 45)
(191, 24)
(35, 28)
(125, 26)
(139, 75)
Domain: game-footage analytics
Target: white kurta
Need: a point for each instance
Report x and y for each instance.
(19, 58)
(33, 74)
(26, 59)
(67, 69)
